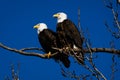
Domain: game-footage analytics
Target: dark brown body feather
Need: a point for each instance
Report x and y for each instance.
(69, 35)
(47, 39)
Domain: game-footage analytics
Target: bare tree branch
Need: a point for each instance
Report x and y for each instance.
(95, 71)
(107, 50)
(25, 53)
(32, 48)
(22, 52)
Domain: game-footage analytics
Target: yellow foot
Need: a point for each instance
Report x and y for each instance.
(48, 55)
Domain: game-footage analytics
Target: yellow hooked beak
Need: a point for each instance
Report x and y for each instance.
(36, 27)
(56, 15)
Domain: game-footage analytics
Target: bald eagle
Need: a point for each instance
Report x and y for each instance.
(68, 34)
(47, 39)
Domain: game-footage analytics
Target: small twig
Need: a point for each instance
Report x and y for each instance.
(115, 18)
(113, 68)
(97, 72)
(73, 75)
(114, 10)
(70, 75)
(15, 76)
(88, 46)
(115, 34)
(79, 26)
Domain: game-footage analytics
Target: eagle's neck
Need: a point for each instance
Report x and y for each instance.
(61, 19)
(41, 29)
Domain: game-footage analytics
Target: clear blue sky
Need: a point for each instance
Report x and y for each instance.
(17, 18)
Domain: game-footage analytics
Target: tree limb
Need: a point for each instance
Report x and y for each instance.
(25, 53)
(108, 50)
(32, 48)
(22, 51)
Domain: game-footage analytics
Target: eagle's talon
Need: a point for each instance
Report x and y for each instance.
(48, 55)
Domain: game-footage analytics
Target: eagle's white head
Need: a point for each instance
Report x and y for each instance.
(40, 27)
(61, 16)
